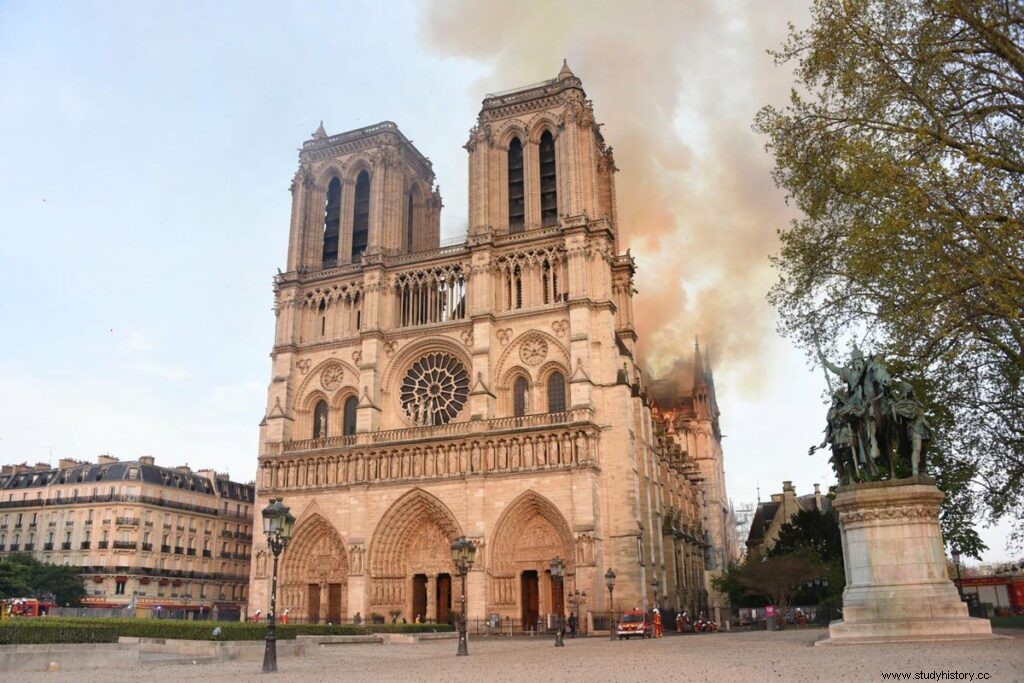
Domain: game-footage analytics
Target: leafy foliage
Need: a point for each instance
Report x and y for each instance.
(23, 576)
(816, 534)
(902, 148)
(781, 577)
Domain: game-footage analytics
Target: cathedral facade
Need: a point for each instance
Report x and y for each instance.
(486, 389)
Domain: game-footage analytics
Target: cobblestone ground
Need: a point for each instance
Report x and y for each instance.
(756, 656)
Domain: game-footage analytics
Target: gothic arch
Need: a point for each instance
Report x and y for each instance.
(410, 520)
(556, 351)
(356, 164)
(511, 129)
(406, 357)
(529, 533)
(315, 567)
(324, 176)
(541, 123)
(314, 375)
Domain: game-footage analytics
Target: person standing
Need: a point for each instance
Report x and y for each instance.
(659, 629)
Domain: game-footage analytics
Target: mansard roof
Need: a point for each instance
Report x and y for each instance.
(133, 470)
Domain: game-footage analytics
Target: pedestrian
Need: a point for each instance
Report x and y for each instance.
(357, 619)
(572, 625)
(256, 617)
(284, 617)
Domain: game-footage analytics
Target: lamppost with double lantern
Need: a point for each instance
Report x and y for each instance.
(277, 525)
(557, 572)
(463, 554)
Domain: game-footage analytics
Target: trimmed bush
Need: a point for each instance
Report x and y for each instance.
(96, 630)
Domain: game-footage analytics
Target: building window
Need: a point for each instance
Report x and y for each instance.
(320, 420)
(361, 216)
(332, 219)
(520, 396)
(516, 187)
(548, 189)
(351, 404)
(556, 393)
(119, 587)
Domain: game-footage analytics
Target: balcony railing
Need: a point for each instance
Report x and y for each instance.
(84, 545)
(147, 546)
(179, 550)
(554, 441)
(102, 545)
(165, 548)
(206, 553)
(125, 545)
(127, 521)
(15, 547)
(191, 552)
(47, 546)
(29, 547)
(439, 431)
(66, 545)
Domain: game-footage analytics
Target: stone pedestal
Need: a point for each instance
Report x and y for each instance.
(897, 588)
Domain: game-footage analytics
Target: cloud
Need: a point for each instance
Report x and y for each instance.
(677, 85)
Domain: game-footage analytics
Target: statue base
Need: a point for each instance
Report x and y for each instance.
(897, 587)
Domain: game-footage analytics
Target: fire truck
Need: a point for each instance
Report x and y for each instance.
(25, 607)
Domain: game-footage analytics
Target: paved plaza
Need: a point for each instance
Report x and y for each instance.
(754, 656)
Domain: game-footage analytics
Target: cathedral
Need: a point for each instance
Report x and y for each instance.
(490, 389)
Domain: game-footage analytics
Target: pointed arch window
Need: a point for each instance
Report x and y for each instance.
(516, 187)
(361, 216)
(548, 183)
(320, 420)
(520, 397)
(332, 219)
(556, 393)
(349, 426)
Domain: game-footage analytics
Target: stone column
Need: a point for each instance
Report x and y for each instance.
(431, 614)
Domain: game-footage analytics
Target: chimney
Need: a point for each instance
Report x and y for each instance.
(817, 497)
(777, 497)
(41, 466)
(184, 469)
(18, 469)
(147, 460)
(788, 486)
(7, 469)
(209, 474)
(106, 459)
(66, 463)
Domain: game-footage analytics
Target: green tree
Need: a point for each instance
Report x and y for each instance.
(782, 577)
(816, 534)
(23, 576)
(903, 148)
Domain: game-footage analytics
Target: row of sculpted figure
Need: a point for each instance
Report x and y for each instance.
(875, 423)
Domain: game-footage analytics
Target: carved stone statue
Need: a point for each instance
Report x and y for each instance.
(876, 427)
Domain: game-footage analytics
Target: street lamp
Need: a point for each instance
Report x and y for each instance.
(655, 585)
(277, 525)
(609, 580)
(557, 572)
(576, 597)
(959, 580)
(463, 554)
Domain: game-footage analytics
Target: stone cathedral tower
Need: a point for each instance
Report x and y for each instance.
(488, 389)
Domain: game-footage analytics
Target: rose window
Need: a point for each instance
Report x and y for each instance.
(435, 390)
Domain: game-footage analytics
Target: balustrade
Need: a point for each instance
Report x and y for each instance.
(479, 447)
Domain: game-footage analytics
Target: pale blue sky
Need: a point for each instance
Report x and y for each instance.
(145, 155)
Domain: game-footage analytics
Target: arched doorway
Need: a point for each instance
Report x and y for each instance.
(529, 534)
(314, 573)
(410, 559)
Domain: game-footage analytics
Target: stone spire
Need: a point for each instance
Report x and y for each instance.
(566, 72)
(700, 378)
(320, 133)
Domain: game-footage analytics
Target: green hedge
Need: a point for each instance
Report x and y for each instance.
(94, 630)
(1016, 621)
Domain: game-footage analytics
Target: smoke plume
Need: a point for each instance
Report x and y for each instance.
(677, 85)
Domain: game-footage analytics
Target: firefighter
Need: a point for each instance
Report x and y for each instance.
(659, 630)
